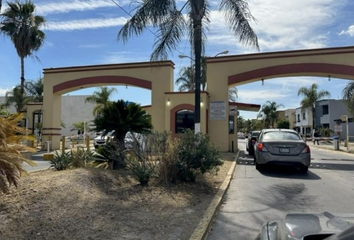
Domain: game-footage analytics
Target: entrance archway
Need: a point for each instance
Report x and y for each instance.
(227, 71)
(156, 76)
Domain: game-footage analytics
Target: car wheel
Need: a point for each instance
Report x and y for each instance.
(258, 166)
(304, 169)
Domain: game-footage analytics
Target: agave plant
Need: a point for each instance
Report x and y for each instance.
(11, 160)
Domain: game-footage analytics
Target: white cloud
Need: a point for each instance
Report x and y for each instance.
(3, 91)
(85, 24)
(65, 7)
(91, 46)
(123, 57)
(349, 31)
(246, 95)
(281, 24)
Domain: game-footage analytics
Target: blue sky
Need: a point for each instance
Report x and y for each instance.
(84, 32)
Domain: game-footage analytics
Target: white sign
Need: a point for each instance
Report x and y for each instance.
(233, 110)
(217, 110)
(337, 128)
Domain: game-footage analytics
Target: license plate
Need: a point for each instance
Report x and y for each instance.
(284, 150)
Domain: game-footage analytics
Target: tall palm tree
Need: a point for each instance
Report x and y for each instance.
(172, 26)
(348, 96)
(35, 90)
(13, 98)
(269, 113)
(101, 98)
(310, 96)
(186, 79)
(123, 117)
(23, 27)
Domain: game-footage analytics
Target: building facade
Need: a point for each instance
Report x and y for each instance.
(304, 121)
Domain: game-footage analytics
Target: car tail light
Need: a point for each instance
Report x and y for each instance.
(261, 147)
(306, 149)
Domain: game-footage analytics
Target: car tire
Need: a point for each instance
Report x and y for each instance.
(258, 166)
(304, 169)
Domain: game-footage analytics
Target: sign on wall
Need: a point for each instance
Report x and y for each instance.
(217, 110)
(232, 110)
(338, 128)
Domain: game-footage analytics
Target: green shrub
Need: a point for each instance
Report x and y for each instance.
(80, 157)
(141, 159)
(61, 161)
(195, 155)
(111, 156)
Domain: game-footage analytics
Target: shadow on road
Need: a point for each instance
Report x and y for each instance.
(288, 172)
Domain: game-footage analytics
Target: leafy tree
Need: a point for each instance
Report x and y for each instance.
(348, 96)
(257, 124)
(172, 26)
(310, 96)
(35, 90)
(23, 27)
(14, 97)
(10, 158)
(101, 98)
(80, 126)
(123, 117)
(269, 113)
(283, 123)
(3, 111)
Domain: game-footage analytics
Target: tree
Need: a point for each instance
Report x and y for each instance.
(10, 158)
(13, 98)
(310, 96)
(101, 98)
(23, 27)
(348, 97)
(172, 26)
(35, 90)
(186, 79)
(283, 123)
(123, 117)
(269, 113)
(80, 126)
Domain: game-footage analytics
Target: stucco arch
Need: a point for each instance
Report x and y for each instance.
(173, 112)
(228, 71)
(156, 76)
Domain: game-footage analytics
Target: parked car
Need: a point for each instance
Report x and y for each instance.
(241, 135)
(102, 139)
(317, 226)
(252, 139)
(282, 146)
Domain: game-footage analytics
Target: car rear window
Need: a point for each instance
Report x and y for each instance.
(281, 136)
(255, 134)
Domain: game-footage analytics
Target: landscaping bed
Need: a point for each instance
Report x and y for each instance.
(89, 203)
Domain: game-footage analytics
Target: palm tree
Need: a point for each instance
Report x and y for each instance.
(10, 158)
(35, 90)
(23, 27)
(13, 98)
(123, 117)
(269, 113)
(310, 96)
(100, 98)
(80, 126)
(172, 26)
(186, 79)
(348, 96)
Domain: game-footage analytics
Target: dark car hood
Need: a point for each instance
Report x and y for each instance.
(298, 226)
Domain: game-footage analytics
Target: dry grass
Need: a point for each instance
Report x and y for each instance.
(101, 204)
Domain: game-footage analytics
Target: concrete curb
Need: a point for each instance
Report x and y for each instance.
(201, 232)
(333, 151)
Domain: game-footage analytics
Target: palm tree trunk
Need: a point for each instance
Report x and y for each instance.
(197, 13)
(22, 87)
(313, 118)
(0, 5)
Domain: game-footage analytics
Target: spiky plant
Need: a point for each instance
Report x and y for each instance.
(11, 159)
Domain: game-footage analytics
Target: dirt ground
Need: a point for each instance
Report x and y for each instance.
(100, 204)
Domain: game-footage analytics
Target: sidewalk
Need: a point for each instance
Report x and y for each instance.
(328, 145)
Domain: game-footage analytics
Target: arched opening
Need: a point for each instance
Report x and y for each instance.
(184, 120)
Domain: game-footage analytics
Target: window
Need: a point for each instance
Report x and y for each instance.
(281, 136)
(231, 124)
(326, 125)
(298, 118)
(325, 110)
(303, 116)
(37, 123)
(184, 121)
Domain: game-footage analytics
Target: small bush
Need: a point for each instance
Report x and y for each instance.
(80, 157)
(61, 161)
(140, 160)
(111, 156)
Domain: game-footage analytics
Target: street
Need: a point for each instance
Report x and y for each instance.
(256, 197)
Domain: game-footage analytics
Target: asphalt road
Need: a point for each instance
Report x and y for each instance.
(255, 197)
